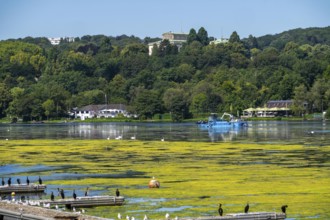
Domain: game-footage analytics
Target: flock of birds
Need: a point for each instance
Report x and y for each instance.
(18, 180)
(247, 207)
(120, 137)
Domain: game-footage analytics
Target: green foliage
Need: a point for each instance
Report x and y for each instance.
(201, 78)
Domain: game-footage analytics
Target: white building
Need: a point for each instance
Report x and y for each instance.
(174, 38)
(220, 41)
(57, 40)
(101, 111)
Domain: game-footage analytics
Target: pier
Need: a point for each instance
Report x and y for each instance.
(22, 188)
(87, 201)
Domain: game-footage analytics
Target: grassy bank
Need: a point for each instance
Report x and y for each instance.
(194, 177)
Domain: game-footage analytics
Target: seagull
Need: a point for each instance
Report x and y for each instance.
(133, 137)
(119, 216)
(127, 217)
(119, 137)
(132, 218)
(220, 210)
(83, 211)
(162, 139)
(246, 209)
(167, 216)
(145, 217)
(40, 181)
(284, 208)
(108, 138)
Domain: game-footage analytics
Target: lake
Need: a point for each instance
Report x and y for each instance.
(294, 132)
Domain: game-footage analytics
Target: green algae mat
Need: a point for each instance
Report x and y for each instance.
(194, 177)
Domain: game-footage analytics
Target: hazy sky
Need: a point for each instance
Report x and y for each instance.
(142, 18)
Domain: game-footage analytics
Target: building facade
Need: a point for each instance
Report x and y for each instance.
(177, 39)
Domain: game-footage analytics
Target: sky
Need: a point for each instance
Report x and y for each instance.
(152, 18)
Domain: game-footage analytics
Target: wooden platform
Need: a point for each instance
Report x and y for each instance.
(237, 216)
(87, 201)
(22, 188)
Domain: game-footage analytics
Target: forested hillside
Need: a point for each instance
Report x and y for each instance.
(39, 80)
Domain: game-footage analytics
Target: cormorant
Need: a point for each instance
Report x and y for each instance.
(18, 181)
(117, 192)
(27, 181)
(52, 197)
(9, 181)
(87, 191)
(284, 208)
(74, 195)
(40, 181)
(246, 209)
(3, 181)
(220, 210)
(62, 194)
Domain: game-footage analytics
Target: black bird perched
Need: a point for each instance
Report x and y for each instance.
(62, 194)
(246, 209)
(284, 208)
(3, 181)
(117, 192)
(87, 191)
(9, 181)
(18, 181)
(40, 181)
(74, 195)
(52, 197)
(27, 181)
(220, 210)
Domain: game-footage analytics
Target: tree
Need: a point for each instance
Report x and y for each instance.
(299, 99)
(147, 103)
(49, 107)
(234, 38)
(202, 36)
(192, 36)
(176, 103)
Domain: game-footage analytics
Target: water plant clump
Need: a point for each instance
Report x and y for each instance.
(194, 177)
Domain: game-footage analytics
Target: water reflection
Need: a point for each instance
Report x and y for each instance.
(299, 132)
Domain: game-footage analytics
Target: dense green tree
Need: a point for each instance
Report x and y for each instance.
(203, 37)
(234, 38)
(192, 36)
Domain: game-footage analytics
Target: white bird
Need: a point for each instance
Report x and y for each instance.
(167, 216)
(127, 217)
(83, 211)
(108, 138)
(132, 218)
(119, 137)
(133, 137)
(145, 217)
(6, 139)
(46, 205)
(119, 216)
(56, 207)
(176, 218)
(74, 209)
(162, 139)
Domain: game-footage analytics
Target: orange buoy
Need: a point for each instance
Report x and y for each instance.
(154, 183)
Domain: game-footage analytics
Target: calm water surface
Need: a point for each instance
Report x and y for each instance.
(293, 132)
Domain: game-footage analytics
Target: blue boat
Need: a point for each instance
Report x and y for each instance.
(215, 122)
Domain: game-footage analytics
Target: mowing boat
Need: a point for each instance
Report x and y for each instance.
(87, 201)
(215, 122)
(22, 188)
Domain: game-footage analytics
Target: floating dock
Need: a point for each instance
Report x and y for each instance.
(22, 188)
(245, 216)
(87, 201)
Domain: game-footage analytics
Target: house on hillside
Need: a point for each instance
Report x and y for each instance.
(174, 38)
(101, 111)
